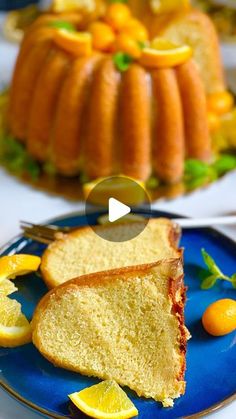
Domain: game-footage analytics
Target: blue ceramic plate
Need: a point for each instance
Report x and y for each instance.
(210, 376)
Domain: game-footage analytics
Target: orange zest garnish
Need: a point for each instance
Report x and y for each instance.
(76, 43)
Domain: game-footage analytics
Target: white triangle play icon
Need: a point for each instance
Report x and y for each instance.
(117, 210)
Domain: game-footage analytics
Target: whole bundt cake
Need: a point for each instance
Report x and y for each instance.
(102, 102)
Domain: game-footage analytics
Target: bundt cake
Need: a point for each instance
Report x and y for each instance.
(126, 324)
(101, 111)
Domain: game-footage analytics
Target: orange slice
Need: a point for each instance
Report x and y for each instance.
(105, 400)
(75, 43)
(15, 329)
(12, 266)
(163, 53)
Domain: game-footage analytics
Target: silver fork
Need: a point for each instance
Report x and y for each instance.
(47, 234)
(43, 234)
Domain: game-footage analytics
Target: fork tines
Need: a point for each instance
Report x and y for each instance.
(39, 233)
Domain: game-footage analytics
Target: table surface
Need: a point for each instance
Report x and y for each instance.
(21, 202)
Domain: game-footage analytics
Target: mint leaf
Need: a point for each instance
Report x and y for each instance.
(195, 183)
(62, 24)
(224, 164)
(14, 156)
(233, 280)
(122, 61)
(196, 169)
(210, 263)
(209, 282)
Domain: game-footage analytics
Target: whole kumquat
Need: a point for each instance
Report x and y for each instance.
(219, 319)
(125, 43)
(136, 30)
(117, 15)
(103, 36)
(220, 102)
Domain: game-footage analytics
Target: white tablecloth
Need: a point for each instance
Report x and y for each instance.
(21, 202)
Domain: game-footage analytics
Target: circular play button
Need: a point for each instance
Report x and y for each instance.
(118, 198)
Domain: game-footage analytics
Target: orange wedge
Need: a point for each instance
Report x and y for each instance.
(105, 400)
(163, 53)
(75, 43)
(12, 266)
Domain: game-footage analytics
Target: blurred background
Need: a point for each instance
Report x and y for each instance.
(15, 4)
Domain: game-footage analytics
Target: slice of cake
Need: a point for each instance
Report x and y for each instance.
(83, 251)
(125, 324)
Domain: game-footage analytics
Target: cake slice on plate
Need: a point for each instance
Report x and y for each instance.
(125, 324)
(83, 251)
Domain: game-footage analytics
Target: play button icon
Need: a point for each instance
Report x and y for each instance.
(113, 208)
(117, 210)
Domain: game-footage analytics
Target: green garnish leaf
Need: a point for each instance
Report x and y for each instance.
(122, 61)
(196, 169)
(224, 164)
(195, 183)
(210, 263)
(209, 282)
(49, 168)
(14, 156)
(32, 168)
(62, 24)
(214, 273)
(233, 280)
